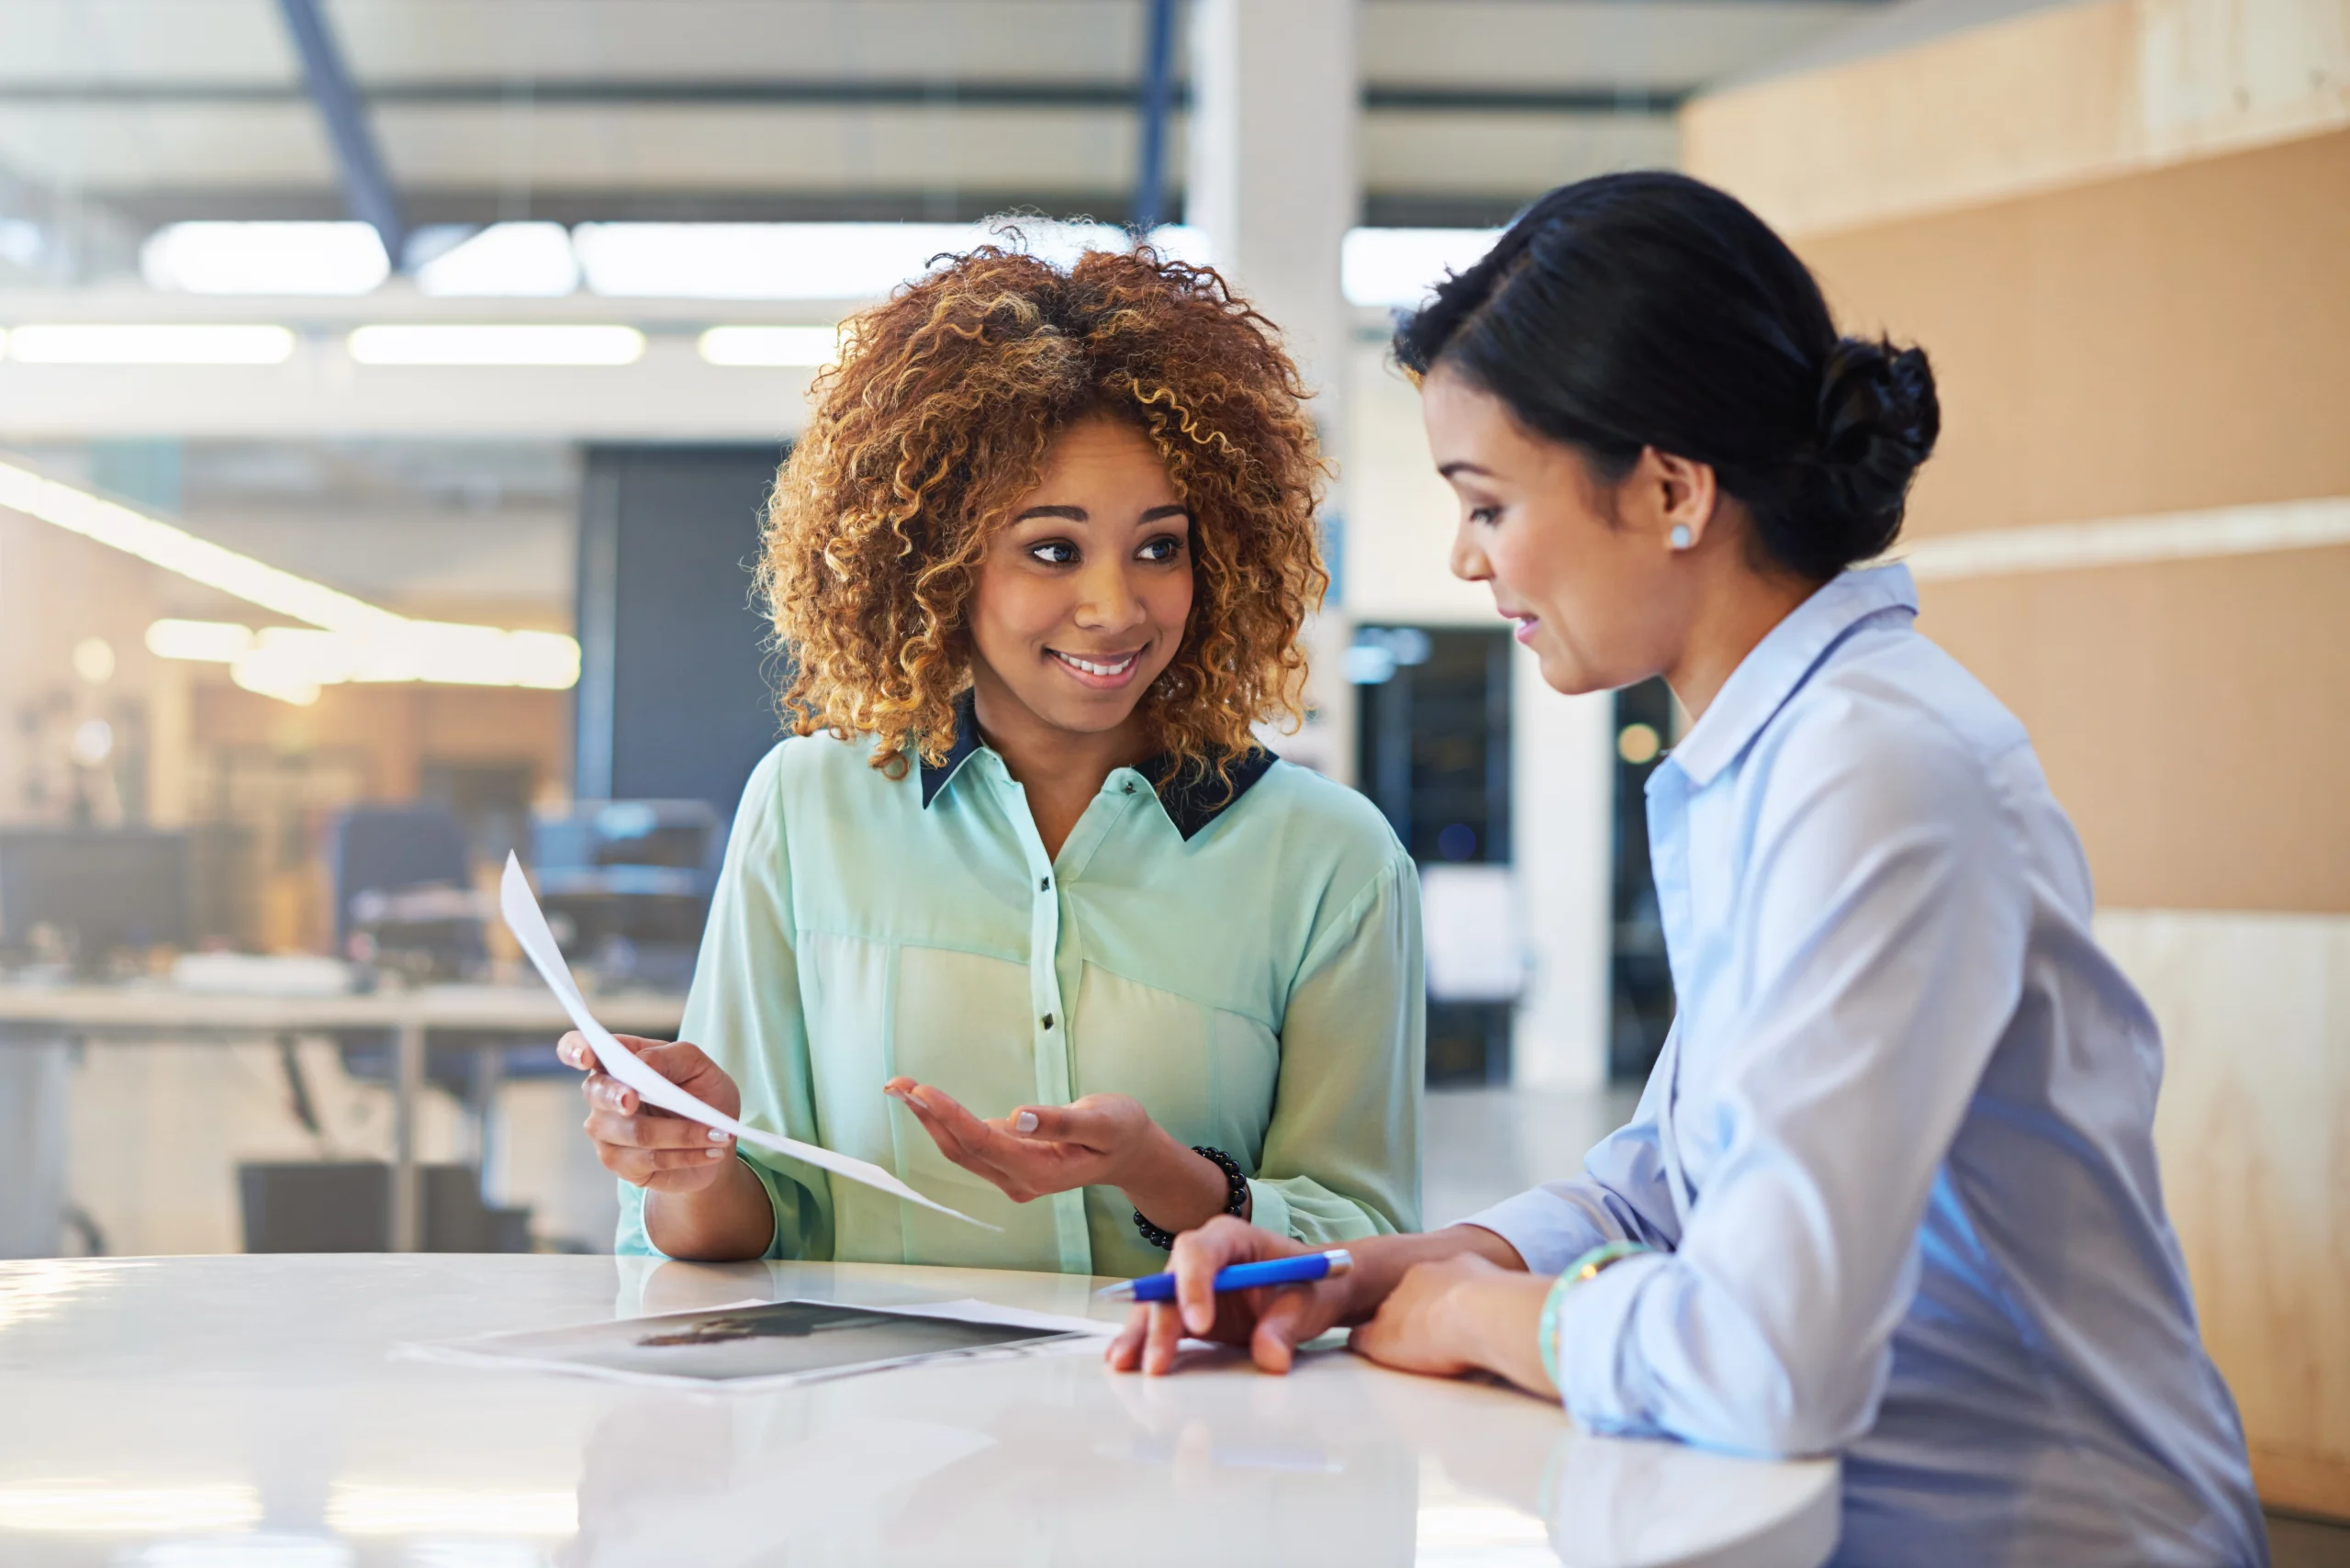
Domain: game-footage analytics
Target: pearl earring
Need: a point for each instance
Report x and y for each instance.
(1682, 539)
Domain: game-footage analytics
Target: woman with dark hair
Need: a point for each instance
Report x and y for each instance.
(1891, 1191)
(1023, 913)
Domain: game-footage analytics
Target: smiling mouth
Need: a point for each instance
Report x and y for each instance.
(1101, 671)
(1522, 624)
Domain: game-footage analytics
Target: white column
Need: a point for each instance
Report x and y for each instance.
(1272, 184)
(1562, 799)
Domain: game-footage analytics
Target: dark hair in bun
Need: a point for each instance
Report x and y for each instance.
(1650, 309)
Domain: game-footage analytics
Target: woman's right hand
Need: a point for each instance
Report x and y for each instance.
(642, 1144)
(1272, 1322)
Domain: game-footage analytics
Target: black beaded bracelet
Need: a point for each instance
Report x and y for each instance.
(1235, 1199)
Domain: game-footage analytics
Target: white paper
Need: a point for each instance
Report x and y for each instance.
(524, 918)
(970, 1309)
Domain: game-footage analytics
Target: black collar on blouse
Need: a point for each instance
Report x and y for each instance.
(1192, 797)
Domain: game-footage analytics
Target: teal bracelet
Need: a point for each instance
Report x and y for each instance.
(1582, 1269)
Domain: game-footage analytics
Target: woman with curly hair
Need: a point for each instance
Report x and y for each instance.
(1023, 913)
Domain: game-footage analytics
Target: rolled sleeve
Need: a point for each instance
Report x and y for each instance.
(1622, 1196)
(1597, 1390)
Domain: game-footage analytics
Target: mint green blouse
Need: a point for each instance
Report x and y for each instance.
(1250, 972)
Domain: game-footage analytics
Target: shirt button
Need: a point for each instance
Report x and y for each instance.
(1048, 1020)
(1130, 786)
(1044, 885)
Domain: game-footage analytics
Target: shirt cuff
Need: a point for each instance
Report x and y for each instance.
(1549, 1234)
(1269, 1209)
(1595, 1329)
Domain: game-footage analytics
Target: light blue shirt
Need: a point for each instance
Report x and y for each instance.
(1896, 1158)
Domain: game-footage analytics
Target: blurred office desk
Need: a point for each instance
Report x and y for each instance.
(246, 1410)
(409, 1017)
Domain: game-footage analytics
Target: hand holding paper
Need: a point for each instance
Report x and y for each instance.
(524, 918)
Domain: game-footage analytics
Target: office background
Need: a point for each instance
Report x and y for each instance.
(2117, 226)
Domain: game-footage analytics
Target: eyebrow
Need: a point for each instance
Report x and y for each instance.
(1449, 469)
(1078, 514)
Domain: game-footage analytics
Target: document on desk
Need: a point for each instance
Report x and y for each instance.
(761, 1345)
(529, 924)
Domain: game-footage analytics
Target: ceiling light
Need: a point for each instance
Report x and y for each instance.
(215, 641)
(1403, 266)
(63, 343)
(487, 345)
(359, 640)
(770, 346)
(819, 260)
(79, 1506)
(176, 550)
(93, 660)
(505, 259)
(264, 258)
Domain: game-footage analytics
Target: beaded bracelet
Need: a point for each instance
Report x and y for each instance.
(1235, 1200)
(1587, 1267)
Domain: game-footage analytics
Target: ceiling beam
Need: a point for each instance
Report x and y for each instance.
(699, 93)
(366, 183)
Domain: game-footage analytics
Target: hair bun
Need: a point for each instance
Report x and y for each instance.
(1879, 420)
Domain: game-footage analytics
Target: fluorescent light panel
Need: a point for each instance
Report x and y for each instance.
(1403, 266)
(496, 345)
(770, 346)
(158, 342)
(176, 550)
(213, 641)
(264, 258)
(508, 260)
(363, 641)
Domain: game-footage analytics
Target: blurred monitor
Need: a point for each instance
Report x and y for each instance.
(344, 1205)
(403, 891)
(84, 896)
(626, 885)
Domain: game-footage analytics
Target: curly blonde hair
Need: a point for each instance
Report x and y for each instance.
(935, 422)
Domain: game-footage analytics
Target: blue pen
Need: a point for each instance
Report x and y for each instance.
(1294, 1270)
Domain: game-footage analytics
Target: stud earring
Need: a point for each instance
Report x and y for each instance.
(1682, 539)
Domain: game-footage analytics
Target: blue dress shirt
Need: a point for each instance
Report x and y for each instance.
(1896, 1159)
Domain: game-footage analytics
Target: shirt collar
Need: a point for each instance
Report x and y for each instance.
(1780, 664)
(1193, 796)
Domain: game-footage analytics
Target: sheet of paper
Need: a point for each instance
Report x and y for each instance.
(529, 924)
(972, 1310)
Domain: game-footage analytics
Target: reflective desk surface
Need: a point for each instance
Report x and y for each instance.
(205, 1412)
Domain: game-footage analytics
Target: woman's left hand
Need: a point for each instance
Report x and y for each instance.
(1102, 1140)
(1458, 1314)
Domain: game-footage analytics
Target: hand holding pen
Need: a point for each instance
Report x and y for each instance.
(1271, 1319)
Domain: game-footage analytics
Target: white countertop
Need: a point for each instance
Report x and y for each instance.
(200, 1412)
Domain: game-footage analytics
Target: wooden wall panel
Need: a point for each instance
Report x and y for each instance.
(2061, 95)
(2190, 715)
(2253, 1130)
(2165, 342)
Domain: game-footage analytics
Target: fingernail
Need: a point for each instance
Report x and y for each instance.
(717, 1137)
(718, 1154)
(1024, 1123)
